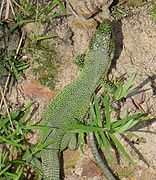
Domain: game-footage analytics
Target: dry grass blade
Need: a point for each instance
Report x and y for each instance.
(19, 45)
(75, 14)
(6, 106)
(12, 9)
(1, 9)
(5, 90)
(25, 12)
(8, 78)
(7, 9)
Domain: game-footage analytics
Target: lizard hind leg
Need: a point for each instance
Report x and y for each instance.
(69, 141)
(73, 143)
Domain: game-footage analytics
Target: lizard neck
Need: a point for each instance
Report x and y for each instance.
(93, 71)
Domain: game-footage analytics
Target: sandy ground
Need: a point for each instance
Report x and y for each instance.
(135, 51)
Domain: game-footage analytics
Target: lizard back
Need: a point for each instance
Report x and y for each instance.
(72, 103)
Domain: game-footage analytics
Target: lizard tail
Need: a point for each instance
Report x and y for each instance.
(101, 163)
(51, 165)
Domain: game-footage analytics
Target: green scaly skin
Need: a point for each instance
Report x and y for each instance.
(71, 104)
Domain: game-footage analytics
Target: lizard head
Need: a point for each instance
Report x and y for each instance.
(103, 39)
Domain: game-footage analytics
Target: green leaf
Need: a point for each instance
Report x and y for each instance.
(107, 147)
(40, 147)
(98, 139)
(98, 119)
(117, 124)
(121, 148)
(19, 24)
(36, 165)
(78, 128)
(5, 169)
(3, 157)
(117, 93)
(131, 91)
(15, 113)
(9, 175)
(19, 172)
(37, 127)
(127, 86)
(50, 17)
(13, 68)
(22, 66)
(61, 6)
(26, 112)
(3, 139)
(127, 126)
(40, 38)
(105, 101)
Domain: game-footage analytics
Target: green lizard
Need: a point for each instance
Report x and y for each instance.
(71, 104)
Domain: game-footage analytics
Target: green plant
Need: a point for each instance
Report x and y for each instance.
(107, 130)
(40, 13)
(10, 64)
(18, 154)
(26, 12)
